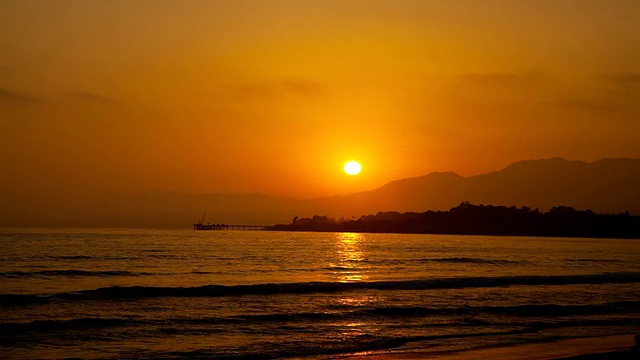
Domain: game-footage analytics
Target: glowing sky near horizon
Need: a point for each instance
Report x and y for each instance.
(275, 96)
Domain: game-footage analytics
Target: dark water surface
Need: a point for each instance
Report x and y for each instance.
(183, 294)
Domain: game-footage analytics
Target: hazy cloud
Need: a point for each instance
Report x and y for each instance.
(624, 87)
(91, 97)
(250, 91)
(505, 79)
(13, 97)
(590, 105)
(302, 87)
(624, 79)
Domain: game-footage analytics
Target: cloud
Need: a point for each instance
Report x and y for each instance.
(623, 88)
(13, 97)
(505, 78)
(303, 87)
(624, 79)
(91, 97)
(250, 91)
(264, 89)
(590, 105)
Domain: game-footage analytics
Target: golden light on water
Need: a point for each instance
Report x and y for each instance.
(352, 267)
(350, 256)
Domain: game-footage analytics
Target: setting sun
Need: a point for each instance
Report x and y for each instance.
(352, 168)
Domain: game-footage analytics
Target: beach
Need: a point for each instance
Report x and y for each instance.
(592, 348)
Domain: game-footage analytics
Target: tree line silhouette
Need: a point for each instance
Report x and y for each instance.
(470, 219)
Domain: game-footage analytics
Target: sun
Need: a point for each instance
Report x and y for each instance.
(352, 168)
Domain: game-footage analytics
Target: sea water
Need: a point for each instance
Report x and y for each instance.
(174, 294)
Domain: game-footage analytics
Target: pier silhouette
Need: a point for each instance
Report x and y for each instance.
(200, 225)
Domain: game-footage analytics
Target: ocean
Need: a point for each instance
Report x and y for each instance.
(184, 294)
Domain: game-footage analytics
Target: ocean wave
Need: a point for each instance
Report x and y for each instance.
(466, 260)
(22, 299)
(536, 310)
(340, 268)
(291, 317)
(363, 342)
(295, 349)
(547, 316)
(72, 272)
(349, 346)
(453, 260)
(564, 310)
(592, 260)
(88, 257)
(135, 292)
(74, 257)
(329, 287)
(539, 310)
(57, 325)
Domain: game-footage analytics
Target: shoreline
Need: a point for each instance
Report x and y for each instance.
(587, 348)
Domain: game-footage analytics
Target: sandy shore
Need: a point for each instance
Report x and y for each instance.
(606, 347)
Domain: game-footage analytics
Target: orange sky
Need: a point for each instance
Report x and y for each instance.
(275, 96)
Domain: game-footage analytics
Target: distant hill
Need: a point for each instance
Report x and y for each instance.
(604, 186)
(469, 219)
(152, 210)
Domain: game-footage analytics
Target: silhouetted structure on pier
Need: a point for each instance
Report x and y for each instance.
(202, 226)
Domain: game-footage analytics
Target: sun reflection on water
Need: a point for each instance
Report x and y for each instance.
(350, 266)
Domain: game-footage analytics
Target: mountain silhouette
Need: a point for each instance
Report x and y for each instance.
(605, 186)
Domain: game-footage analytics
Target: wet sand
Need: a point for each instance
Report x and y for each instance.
(615, 347)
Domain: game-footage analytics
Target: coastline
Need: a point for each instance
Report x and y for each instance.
(470, 219)
(614, 347)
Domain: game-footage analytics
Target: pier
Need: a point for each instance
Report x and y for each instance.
(201, 226)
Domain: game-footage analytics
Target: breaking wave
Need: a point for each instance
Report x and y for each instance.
(466, 260)
(104, 273)
(136, 292)
(550, 310)
(56, 325)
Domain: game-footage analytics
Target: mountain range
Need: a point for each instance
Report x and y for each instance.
(604, 186)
